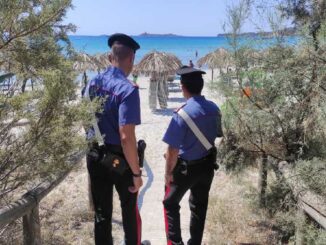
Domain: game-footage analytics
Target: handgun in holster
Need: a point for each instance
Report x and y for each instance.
(181, 167)
(141, 146)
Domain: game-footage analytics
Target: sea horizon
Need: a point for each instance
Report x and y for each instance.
(184, 47)
(140, 35)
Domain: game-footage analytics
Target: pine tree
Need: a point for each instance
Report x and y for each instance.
(34, 46)
(275, 109)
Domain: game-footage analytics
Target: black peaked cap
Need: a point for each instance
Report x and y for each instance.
(123, 39)
(186, 70)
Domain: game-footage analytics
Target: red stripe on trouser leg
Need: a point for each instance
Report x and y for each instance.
(138, 219)
(167, 191)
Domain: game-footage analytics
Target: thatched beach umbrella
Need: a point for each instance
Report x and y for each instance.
(216, 59)
(101, 61)
(158, 64)
(253, 57)
(84, 62)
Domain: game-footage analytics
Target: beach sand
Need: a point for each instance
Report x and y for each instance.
(66, 209)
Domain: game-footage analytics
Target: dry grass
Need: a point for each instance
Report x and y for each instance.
(231, 217)
(11, 234)
(66, 217)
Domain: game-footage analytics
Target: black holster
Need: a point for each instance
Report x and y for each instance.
(141, 146)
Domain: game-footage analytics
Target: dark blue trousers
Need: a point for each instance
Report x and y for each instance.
(102, 182)
(198, 179)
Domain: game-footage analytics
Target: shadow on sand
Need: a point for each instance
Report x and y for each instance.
(165, 112)
(175, 90)
(177, 99)
(150, 178)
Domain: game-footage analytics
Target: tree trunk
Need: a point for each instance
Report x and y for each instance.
(262, 184)
(24, 85)
(84, 79)
(212, 74)
(299, 227)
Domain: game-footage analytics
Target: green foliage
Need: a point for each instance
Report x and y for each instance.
(314, 236)
(285, 225)
(313, 174)
(280, 198)
(30, 37)
(277, 99)
(275, 104)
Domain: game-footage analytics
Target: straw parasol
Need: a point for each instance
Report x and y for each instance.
(84, 62)
(216, 59)
(158, 64)
(253, 57)
(102, 61)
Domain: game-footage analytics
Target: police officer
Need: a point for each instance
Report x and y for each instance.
(189, 163)
(117, 121)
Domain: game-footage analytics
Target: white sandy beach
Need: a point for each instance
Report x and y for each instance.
(68, 204)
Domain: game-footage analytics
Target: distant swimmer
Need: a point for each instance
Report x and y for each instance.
(191, 64)
(196, 54)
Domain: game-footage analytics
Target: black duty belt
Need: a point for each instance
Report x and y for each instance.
(210, 158)
(205, 159)
(117, 149)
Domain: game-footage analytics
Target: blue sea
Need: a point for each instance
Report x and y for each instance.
(183, 47)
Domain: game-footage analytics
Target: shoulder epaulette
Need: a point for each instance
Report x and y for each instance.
(176, 110)
(133, 83)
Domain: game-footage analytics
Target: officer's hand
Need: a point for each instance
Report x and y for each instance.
(138, 182)
(168, 179)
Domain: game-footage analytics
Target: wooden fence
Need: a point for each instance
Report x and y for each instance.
(309, 203)
(28, 206)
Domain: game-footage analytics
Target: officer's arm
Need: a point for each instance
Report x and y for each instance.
(171, 158)
(128, 143)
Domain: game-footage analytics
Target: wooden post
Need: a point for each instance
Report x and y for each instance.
(262, 184)
(212, 74)
(299, 225)
(90, 196)
(32, 228)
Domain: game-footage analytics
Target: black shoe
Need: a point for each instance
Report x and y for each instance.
(145, 242)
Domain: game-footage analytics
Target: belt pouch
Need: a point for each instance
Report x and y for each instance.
(115, 162)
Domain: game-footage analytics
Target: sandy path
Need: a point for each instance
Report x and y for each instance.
(152, 130)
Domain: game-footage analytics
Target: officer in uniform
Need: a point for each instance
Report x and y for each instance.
(190, 164)
(117, 121)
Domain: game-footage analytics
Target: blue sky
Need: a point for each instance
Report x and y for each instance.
(183, 17)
